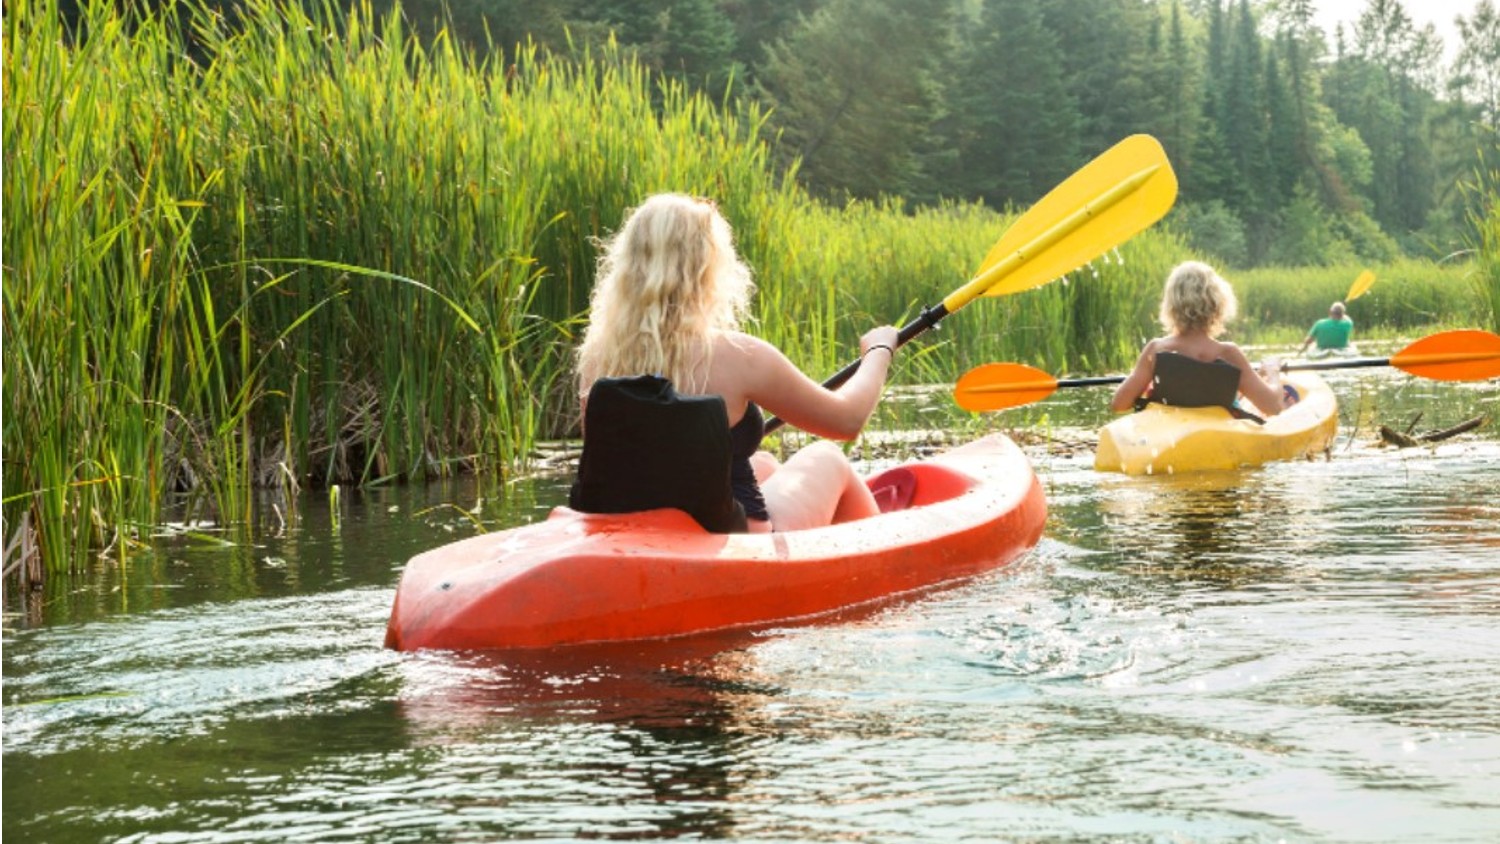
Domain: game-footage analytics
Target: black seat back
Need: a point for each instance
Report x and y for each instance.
(1181, 381)
(645, 446)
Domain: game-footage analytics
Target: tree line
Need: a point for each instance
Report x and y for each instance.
(1293, 145)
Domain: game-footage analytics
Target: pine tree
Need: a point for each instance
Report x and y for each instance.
(1101, 44)
(852, 92)
(760, 23)
(1019, 134)
(688, 39)
(1284, 145)
(1382, 92)
(1243, 117)
(1477, 68)
(1180, 92)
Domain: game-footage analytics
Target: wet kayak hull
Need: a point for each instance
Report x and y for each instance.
(1169, 440)
(579, 578)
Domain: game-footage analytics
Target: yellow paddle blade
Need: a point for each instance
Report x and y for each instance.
(1464, 355)
(1360, 285)
(997, 386)
(1113, 198)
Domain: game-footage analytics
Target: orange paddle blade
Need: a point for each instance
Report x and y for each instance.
(997, 386)
(1464, 355)
(1360, 285)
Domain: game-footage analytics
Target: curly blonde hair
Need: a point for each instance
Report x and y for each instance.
(667, 282)
(1197, 298)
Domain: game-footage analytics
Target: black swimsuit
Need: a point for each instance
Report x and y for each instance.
(744, 441)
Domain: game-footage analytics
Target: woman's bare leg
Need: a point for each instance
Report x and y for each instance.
(815, 487)
(764, 464)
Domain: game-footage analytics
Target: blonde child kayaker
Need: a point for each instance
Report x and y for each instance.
(1332, 333)
(1196, 303)
(668, 300)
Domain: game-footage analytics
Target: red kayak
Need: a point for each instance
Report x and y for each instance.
(579, 578)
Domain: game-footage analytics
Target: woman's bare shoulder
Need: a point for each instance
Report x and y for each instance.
(747, 365)
(1232, 353)
(742, 344)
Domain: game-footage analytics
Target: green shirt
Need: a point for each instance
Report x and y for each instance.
(1332, 333)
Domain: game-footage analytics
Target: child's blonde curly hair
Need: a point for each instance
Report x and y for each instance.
(1197, 298)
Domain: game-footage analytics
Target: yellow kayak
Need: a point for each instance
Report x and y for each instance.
(1167, 440)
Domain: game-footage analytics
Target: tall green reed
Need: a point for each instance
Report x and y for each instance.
(267, 269)
(1484, 239)
(93, 243)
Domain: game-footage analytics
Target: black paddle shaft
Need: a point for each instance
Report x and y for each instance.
(1095, 381)
(1337, 364)
(928, 318)
(1348, 363)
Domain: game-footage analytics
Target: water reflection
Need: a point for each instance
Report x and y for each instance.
(1304, 652)
(654, 721)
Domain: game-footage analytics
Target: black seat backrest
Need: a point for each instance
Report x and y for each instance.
(645, 446)
(1181, 381)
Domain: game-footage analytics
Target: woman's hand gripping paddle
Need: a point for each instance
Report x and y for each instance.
(1464, 355)
(1110, 200)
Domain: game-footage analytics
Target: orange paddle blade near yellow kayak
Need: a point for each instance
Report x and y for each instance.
(996, 386)
(1464, 355)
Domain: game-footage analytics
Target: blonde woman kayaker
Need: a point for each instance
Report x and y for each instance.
(669, 299)
(1189, 367)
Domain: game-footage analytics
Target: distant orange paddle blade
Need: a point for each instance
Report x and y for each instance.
(1360, 285)
(1464, 355)
(997, 386)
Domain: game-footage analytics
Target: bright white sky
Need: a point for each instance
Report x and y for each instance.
(1439, 13)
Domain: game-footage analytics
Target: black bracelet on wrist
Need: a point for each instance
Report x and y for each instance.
(881, 346)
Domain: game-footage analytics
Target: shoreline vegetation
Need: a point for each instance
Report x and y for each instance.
(297, 252)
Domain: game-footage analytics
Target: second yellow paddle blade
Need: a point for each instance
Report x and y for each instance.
(1138, 180)
(1464, 355)
(996, 386)
(1360, 285)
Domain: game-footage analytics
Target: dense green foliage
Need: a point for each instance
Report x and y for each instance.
(318, 256)
(275, 250)
(1294, 145)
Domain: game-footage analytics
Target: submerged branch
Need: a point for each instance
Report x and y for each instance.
(1400, 440)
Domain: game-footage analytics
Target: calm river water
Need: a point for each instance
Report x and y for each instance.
(1308, 652)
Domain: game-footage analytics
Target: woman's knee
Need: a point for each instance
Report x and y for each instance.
(824, 452)
(764, 464)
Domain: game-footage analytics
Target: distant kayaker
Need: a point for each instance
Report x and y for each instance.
(1331, 334)
(668, 300)
(1203, 372)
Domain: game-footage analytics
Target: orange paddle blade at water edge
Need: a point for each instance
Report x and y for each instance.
(997, 386)
(1463, 355)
